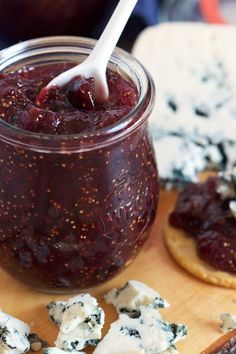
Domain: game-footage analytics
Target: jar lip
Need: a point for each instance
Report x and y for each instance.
(111, 133)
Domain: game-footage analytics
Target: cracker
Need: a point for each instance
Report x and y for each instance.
(183, 250)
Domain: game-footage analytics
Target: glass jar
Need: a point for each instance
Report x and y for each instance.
(76, 209)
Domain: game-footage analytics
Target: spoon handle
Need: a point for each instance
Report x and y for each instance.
(112, 33)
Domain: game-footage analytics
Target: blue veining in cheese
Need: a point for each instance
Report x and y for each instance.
(13, 335)
(134, 294)
(80, 324)
(55, 310)
(194, 120)
(140, 327)
(147, 333)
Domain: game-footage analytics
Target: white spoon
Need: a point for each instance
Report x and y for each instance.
(96, 63)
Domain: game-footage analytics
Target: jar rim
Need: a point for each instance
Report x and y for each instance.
(80, 141)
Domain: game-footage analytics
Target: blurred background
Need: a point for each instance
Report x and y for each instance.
(25, 19)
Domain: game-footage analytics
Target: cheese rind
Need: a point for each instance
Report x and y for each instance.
(13, 335)
(134, 294)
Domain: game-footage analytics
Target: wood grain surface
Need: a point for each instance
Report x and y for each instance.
(194, 303)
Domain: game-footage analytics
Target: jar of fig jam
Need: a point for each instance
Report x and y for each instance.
(76, 208)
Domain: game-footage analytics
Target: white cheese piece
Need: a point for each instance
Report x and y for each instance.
(228, 322)
(171, 350)
(195, 75)
(55, 310)
(54, 350)
(81, 324)
(139, 351)
(226, 184)
(13, 335)
(147, 332)
(232, 207)
(226, 188)
(134, 294)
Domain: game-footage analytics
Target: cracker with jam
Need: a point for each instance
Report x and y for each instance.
(201, 231)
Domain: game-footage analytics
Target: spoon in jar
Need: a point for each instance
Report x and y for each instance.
(96, 63)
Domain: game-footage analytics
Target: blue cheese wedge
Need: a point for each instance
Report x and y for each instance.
(228, 322)
(147, 333)
(13, 335)
(134, 294)
(81, 323)
(56, 310)
(194, 122)
(54, 350)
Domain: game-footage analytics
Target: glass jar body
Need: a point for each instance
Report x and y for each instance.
(71, 218)
(71, 221)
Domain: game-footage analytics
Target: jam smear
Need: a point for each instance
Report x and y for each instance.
(207, 218)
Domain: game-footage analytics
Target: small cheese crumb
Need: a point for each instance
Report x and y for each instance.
(36, 343)
(228, 322)
(226, 188)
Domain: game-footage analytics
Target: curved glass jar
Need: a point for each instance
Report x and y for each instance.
(75, 209)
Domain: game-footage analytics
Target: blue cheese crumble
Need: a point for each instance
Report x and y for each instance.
(13, 335)
(140, 326)
(147, 333)
(228, 322)
(56, 310)
(81, 321)
(194, 122)
(54, 350)
(134, 294)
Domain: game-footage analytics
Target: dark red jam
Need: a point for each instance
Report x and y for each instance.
(207, 218)
(68, 110)
(71, 219)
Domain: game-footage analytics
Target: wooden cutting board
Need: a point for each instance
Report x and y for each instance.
(194, 303)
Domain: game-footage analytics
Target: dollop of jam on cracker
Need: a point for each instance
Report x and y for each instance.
(207, 216)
